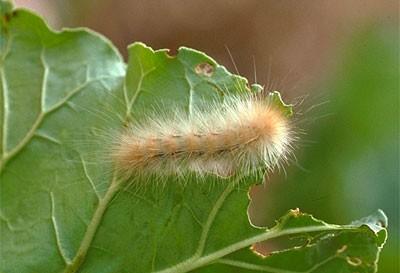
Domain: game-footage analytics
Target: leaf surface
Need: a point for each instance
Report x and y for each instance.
(64, 97)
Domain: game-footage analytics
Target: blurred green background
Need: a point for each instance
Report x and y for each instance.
(350, 166)
(341, 57)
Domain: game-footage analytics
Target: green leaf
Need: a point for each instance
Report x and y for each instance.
(62, 208)
(5, 7)
(276, 99)
(354, 248)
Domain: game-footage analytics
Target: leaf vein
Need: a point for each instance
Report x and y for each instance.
(93, 226)
(57, 231)
(195, 262)
(210, 219)
(5, 92)
(7, 156)
(43, 89)
(138, 89)
(89, 178)
(256, 267)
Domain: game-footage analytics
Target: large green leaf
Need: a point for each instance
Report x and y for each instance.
(62, 209)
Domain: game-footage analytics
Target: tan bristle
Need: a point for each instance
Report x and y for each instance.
(240, 134)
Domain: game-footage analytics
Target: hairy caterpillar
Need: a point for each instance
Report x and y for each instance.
(241, 134)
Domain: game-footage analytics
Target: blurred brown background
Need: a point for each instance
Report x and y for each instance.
(343, 55)
(292, 42)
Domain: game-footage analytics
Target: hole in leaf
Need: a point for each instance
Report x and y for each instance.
(204, 69)
(353, 261)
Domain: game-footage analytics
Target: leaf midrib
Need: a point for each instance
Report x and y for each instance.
(93, 225)
(193, 263)
(114, 187)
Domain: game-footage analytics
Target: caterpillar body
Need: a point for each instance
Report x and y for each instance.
(241, 134)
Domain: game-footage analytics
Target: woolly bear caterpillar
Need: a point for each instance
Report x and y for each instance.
(241, 134)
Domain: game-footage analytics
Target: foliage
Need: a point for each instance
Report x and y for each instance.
(62, 209)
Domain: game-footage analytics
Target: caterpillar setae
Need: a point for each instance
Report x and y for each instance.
(241, 134)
